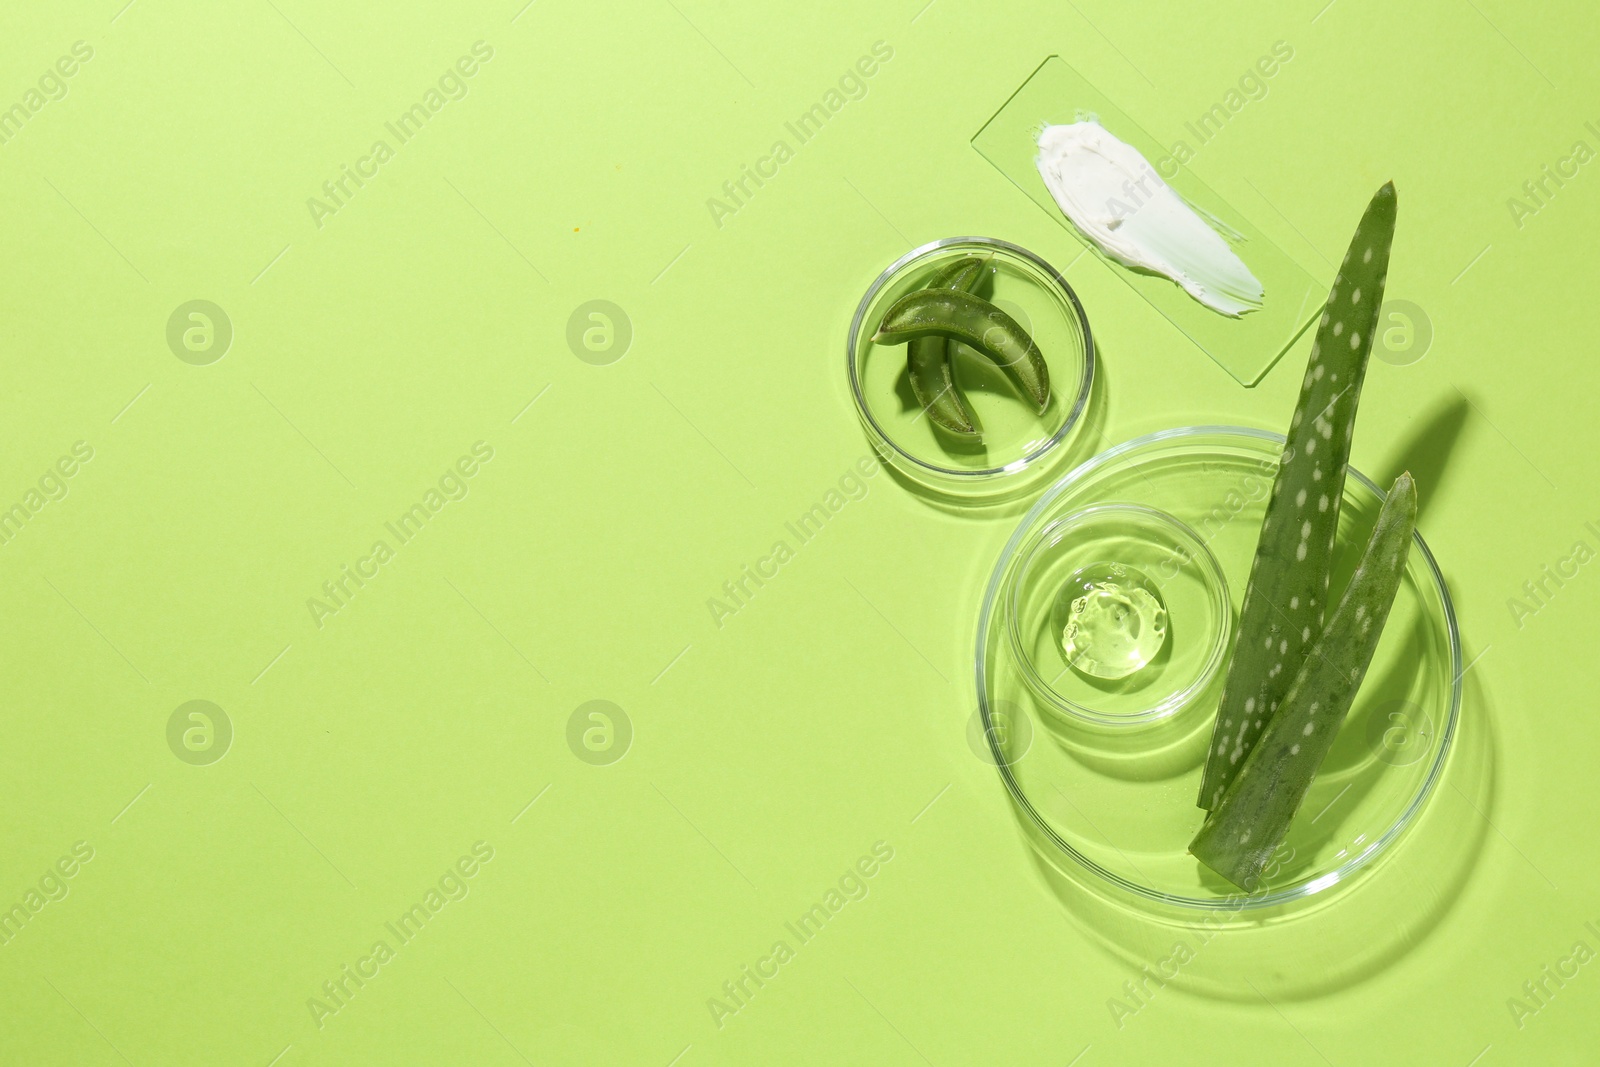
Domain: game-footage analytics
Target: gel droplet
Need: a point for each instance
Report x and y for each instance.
(1112, 620)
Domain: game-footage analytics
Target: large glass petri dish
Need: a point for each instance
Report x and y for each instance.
(1122, 814)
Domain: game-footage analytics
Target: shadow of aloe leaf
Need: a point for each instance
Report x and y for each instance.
(1426, 451)
(1425, 454)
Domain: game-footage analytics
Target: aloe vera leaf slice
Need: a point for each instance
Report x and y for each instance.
(1284, 601)
(977, 324)
(928, 362)
(1253, 816)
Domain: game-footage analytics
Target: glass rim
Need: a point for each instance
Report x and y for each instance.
(1079, 403)
(1241, 901)
(1172, 702)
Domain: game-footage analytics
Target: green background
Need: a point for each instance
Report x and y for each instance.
(768, 754)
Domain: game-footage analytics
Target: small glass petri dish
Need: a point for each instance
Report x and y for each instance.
(1016, 442)
(1117, 615)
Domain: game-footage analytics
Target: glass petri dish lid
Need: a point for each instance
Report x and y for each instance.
(1016, 443)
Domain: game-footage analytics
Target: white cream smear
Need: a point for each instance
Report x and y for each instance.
(1116, 199)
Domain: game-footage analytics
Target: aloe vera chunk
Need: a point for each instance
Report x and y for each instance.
(928, 359)
(1253, 816)
(1282, 611)
(977, 324)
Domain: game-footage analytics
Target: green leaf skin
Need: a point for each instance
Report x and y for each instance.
(928, 361)
(977, 324)
(1253, 816)
(1284, 601)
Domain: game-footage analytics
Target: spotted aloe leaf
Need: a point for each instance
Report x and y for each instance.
(1282, 612)
(1252, 817)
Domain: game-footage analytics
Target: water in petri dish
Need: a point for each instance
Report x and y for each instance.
(1112, 620)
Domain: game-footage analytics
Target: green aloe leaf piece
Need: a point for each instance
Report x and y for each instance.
(1288, 589)
(928, 361)
(977, 324)
(1253, 814)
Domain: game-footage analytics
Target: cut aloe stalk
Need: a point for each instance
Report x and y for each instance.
(975, 323)
(1283, 603)
(928, 361)
(1254, 813)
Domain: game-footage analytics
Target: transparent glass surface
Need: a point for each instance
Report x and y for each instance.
(1120, 807)
(1116, 615)
(1016, 439)
(1245, 347)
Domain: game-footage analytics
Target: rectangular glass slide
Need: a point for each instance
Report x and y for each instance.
(1245, 347)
